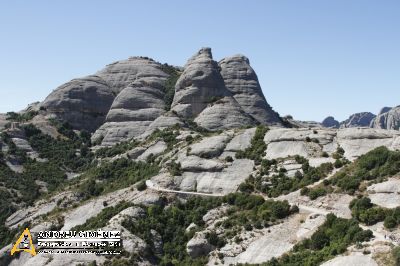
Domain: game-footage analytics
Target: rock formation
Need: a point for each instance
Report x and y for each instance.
(330, 122)
(127, 99)
(242, 81)
(201, 94)
(358, 120)
(387, 120)
(83, 102)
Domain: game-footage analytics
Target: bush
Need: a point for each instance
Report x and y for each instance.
(390, 222)
(169, 85)
(364, 211)
(229, 159)
(396, 255)
(175, 169)
(115, 175)
(119, 148)
(60, 152)
(21, 117)
(141, 186)
(376, 164)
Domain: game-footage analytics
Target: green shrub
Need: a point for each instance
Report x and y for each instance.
(396, 255)
(169, 85)
(364, 211)
(119, 148)
(115, 175)
(390, 222)
(141, 186)
(21, 117)
(229, 159)
(175, 169)
(168, 135)
(61, 151)
(376, 164)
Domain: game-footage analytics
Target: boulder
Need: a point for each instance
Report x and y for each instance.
(198, 245)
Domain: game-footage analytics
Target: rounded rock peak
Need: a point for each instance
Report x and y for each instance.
(205, 51)
(236, 58)
(385, 110)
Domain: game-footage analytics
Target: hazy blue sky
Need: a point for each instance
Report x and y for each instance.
(313, 58)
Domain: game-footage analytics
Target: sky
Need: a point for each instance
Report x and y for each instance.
(313, 58)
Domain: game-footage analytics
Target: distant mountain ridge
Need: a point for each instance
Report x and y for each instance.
(387, 118)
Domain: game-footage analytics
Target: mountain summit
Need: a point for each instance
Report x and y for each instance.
(132, 97)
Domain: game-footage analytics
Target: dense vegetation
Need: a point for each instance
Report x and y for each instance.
(169, 85)
(70, 152)
(280, 183)
(168, 135)
(118, 148)
(171, 221)
(331, 239)
(6, 209)
(114, 175)
(257, 149)
(364, 211)
(374, 165)
(252, 211)
(21, 117)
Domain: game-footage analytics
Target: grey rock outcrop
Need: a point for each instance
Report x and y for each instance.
(201, 94)
(358, 120)
(127, 99)
(330, 122)
(225, 113)
(200, 84)
(387, 120)
(82, 102)
(137, 105)
(198, 245)
(384, 110)
(242, 81)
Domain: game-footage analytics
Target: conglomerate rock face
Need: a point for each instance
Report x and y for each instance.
(242, 81)
(387, 120)
(127, 99)
(83, 102)
(358, 120)
(200, 84)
